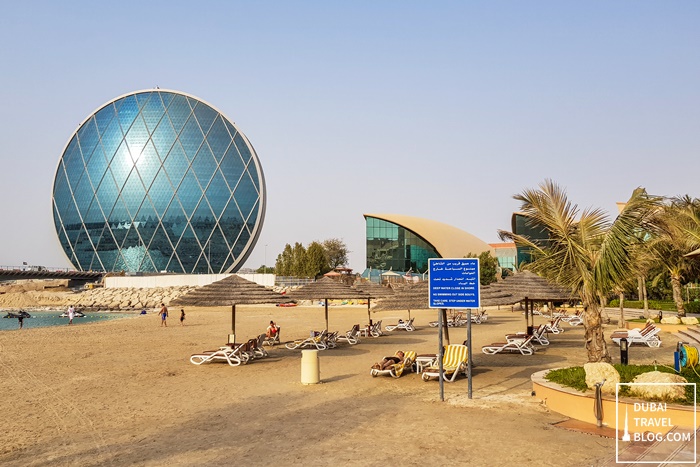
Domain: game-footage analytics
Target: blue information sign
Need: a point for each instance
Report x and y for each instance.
(454, 282)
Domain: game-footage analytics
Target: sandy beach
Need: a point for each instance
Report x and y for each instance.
(123, 392)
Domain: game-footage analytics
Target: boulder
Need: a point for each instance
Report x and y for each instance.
(664, 392)
(599, 371)
(670, 320)
(689, 320)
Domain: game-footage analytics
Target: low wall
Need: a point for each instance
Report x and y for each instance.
(180, 280)
(580, 406)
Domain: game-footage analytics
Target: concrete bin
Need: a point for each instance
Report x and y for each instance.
(310, 367)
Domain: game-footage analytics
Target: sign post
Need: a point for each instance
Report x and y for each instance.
(454, 283)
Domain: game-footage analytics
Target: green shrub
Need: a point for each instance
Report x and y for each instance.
(692, 307)
(664, 305)
(575, 377)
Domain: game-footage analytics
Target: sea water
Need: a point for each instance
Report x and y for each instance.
(45, 318)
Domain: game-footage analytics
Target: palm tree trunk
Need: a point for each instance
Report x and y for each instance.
(646, 297)
(677, 294)
(595, 341)
(621, 322)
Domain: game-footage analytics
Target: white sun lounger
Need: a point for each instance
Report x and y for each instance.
(523, 347)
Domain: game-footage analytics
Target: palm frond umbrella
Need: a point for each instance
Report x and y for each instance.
(416, 297)
(410, 297)
(231, 291)
(529, 287)
(326, 288)
(373, 290)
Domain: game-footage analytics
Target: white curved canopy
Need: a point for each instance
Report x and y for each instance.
(448, 241)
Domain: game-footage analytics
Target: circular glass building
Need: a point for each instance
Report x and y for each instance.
(158, 180)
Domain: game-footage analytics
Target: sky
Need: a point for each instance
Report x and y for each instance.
(442, 110)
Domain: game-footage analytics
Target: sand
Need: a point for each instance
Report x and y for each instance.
(123, 392)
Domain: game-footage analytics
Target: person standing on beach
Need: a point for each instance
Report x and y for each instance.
(71, 314)
(163, 315)
(182, 317)
(20, 320)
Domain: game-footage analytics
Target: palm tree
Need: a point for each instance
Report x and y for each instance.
(588, 253)
(678, 224)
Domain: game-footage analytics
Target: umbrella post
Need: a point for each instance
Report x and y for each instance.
(441, 314)
(369, 317)
(326, 306)
(233, 323)
(469, 353)
(527, 320)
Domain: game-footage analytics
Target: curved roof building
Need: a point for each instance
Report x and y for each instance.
(158, 180)
(405, 243)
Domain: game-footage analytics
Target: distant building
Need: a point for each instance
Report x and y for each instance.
(506, 254)
(404, 243)
(526, 227)
(158, 180)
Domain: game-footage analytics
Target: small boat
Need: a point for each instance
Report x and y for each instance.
(17, 314)
(287, 304)
(77, 314)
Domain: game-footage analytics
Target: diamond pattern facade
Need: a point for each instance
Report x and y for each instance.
(158, 181)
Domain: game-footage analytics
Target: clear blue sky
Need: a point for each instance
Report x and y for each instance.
(442, 110)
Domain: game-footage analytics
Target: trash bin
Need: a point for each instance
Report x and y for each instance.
(310, 368)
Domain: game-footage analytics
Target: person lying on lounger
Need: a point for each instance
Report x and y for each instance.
(388, 362)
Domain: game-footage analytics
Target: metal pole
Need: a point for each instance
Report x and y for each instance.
(469, 352)
(441, 313)
(233, 321)
(445, 329)
(527, 321)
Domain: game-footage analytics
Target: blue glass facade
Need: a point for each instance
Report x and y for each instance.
(390, 246)
(158, 181)
(536, 233)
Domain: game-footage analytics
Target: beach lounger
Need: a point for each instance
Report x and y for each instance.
(454, 361)
(396, 370)
(258, 350)
(647, 335)
(405, 325)
(554, 326)
(573, 320)
(352, 337)
(331, 340)
(374, 330)
(479, 316)
(539, 335)
(523, 347)
(318, 341)
(274, 340)
(231, 355)
(454, 322)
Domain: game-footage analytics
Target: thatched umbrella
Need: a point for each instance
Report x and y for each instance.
(529, 287)
(326, 288)
(416, 297)
(233, 290)
(410, 297)
(374, 290)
